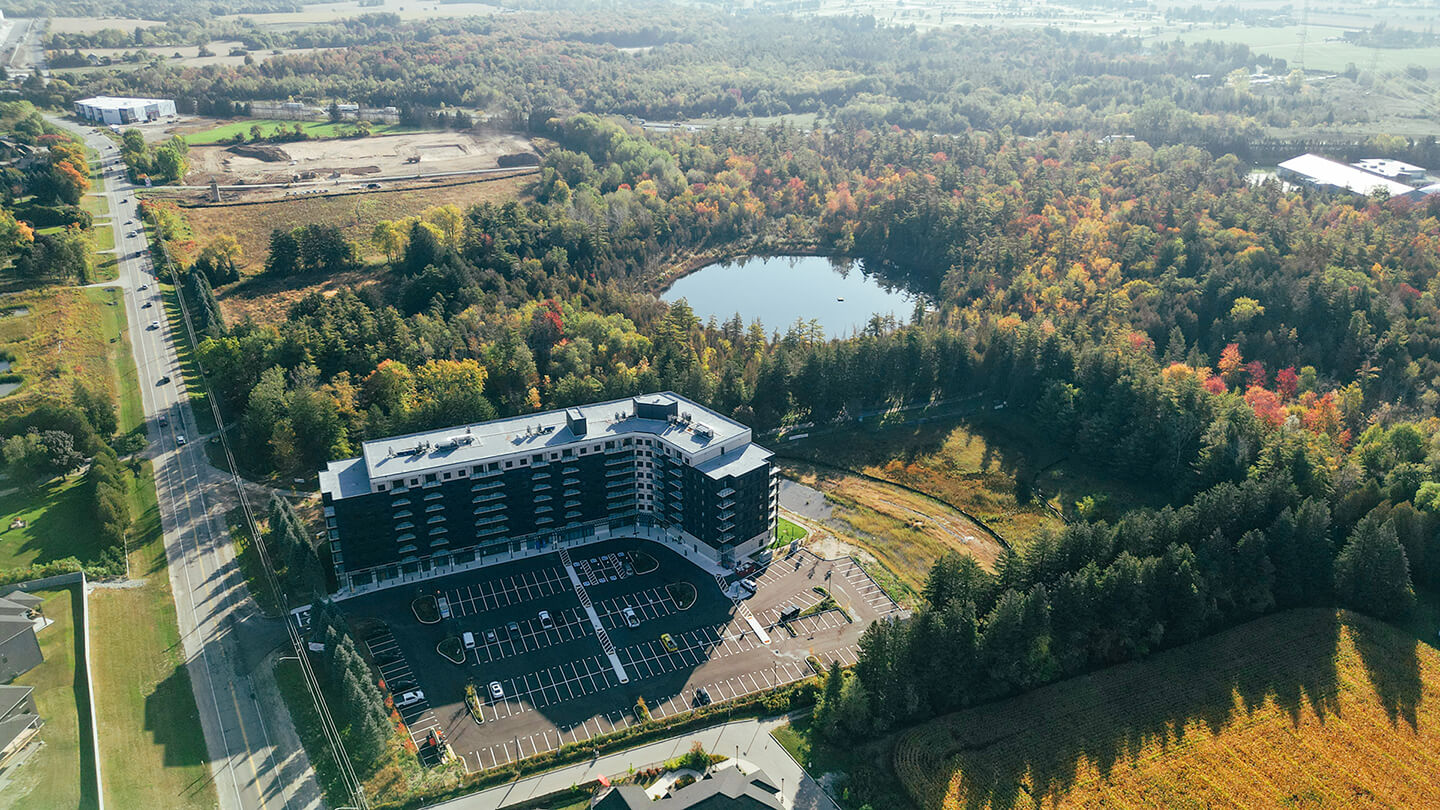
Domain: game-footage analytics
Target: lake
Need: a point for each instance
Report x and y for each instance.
(779, 289)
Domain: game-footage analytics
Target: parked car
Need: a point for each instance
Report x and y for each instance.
(514, 628)
(668, 643)
(750, 585)
(469, 639)
(490, 637)
(702, 697)
(444, 605)
(410, 698)
(497, 691)
(545, 620)
(631, 619)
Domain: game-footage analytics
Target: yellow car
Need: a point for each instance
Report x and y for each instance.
(668, 642)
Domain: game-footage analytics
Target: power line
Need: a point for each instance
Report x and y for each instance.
(312, 683)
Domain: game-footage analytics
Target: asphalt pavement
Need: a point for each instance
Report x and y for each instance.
(256, 759)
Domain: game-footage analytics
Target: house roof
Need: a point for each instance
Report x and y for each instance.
(726, 789)
(29, 600)
(12, 626)
(11, 695)
(15, 726)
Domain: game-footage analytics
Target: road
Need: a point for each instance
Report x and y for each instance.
(249, 768)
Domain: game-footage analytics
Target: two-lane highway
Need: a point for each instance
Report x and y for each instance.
(249, 769)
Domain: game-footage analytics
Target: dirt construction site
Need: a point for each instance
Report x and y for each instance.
(353, 159)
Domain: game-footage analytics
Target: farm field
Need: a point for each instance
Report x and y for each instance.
(266, 301)
(1309, 708)
(147, 714)
(61, 774)
(904, 531)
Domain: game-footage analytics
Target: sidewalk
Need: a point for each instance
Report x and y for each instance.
(749, 738)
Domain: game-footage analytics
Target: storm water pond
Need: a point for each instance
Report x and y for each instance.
(780, 289)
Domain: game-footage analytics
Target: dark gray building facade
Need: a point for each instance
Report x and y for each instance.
(658, 466)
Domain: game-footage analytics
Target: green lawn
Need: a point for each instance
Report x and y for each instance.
(194, 385)
(114, 329)
(150, 735)
(103, 236)
(96, 205)
(58, 524)
(61, 774)
(786, 531)
(315, 129)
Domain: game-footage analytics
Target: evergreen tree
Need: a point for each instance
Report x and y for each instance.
(1371, 572)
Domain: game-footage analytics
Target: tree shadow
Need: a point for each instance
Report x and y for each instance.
(1394, 669)
(179, 738)
(1098, 723)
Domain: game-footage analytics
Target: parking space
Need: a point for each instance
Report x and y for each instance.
(395, 670)
(556, 683)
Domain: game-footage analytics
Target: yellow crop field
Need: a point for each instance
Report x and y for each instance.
(1310, 708)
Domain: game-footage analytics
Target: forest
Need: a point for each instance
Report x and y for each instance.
(665, 61)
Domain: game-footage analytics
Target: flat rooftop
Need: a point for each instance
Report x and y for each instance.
(117, 102)
(418, 453)
(1326, 172)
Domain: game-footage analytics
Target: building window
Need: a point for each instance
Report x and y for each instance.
(430, 478)
(383, 487)
(447, 476)
(509, 464)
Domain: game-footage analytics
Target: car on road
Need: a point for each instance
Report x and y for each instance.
(514, 628)
(143, 287)
(497, 691)
(154, 325)
(180, 440)
(702, 697)
(147, 305)
(410, 698)
(163, 380)
(668, 643)
(469, 639)
(631, 620)
(545, 620)
(164, 422)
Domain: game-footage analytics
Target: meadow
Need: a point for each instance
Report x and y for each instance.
(1309, 708)
(268, 127)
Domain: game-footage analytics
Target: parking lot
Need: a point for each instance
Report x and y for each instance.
(558, 681)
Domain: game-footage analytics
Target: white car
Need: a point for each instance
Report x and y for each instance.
(497, 691)
(180, 440)
(469, 639)
(749, 585)
(545, 620)
(444, 607)
(410, 698)
(631, 620)
(154, 325)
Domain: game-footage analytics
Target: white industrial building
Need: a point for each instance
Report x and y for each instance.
(116, 111)
(1330, 175)
(1393, 169)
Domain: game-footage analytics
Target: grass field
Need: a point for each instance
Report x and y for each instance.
(58, 524)
(103, 237)
(904, 531)
(1309, 708)
(786, 532)
(150, 735)
(96, 206)
(356, 214)
(61, 340)
(61, 775)
(185, 353)
(315, 129)
(124, 380)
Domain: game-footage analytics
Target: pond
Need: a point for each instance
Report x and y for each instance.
(15, 312)
(780, 289)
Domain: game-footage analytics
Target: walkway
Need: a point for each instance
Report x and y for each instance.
(749, 739)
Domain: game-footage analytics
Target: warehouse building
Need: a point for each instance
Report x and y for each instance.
(657, 466)
(1330, 175)
(1397, 170)
(117, 111)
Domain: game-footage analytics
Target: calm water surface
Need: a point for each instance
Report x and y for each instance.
(780, 289)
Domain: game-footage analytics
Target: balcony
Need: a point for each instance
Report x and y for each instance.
(490, 497)
(726, 492)
(434, 496)
(612, 473)
(486, 486)
(490, 510)
(494, 520)
(399, 502)
(490, 532)
(569, 482)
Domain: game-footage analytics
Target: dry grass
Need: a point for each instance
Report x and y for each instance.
(62, 339)
(906, 532)
(266, 301)
(1308, 708)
